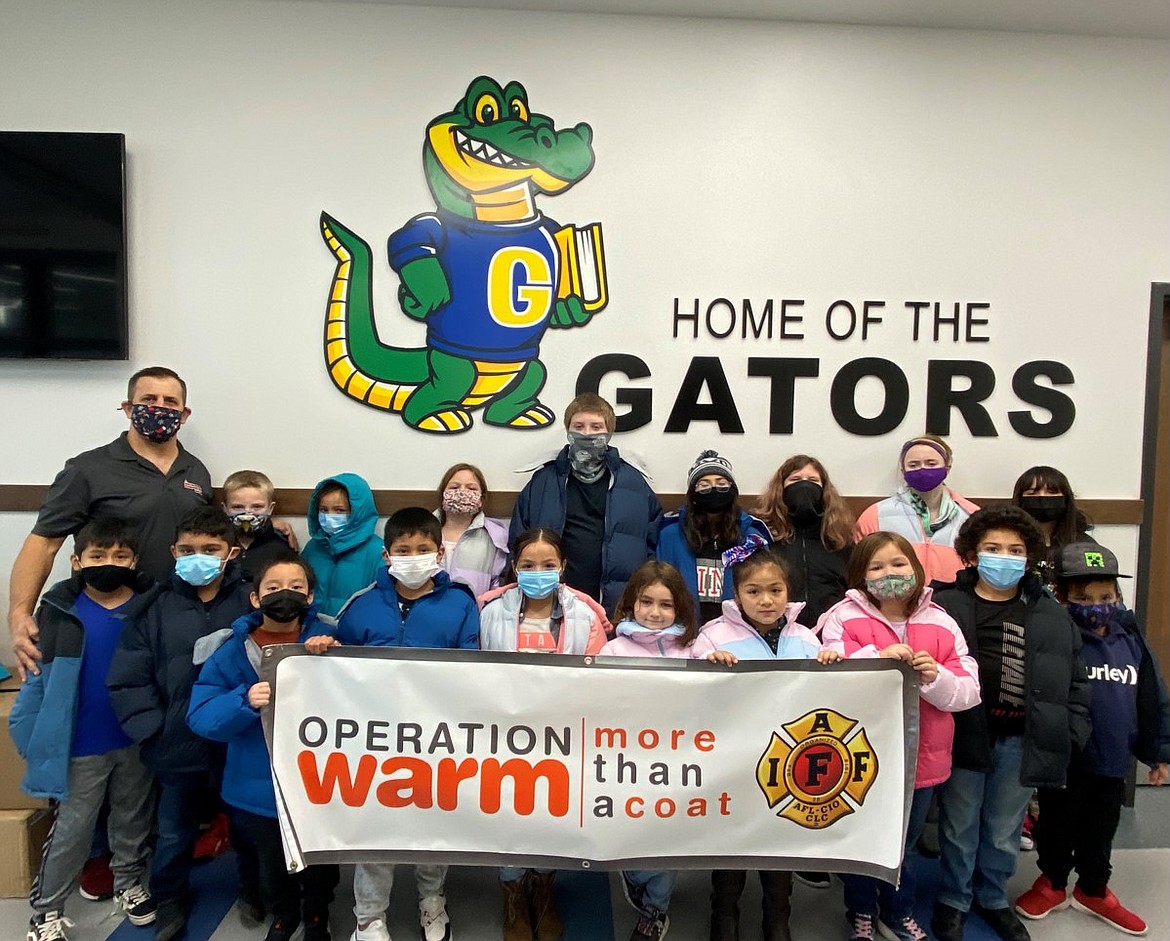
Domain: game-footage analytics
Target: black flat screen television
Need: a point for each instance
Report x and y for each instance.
(62, 246)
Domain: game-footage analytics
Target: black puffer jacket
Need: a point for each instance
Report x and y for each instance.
(1056, 698)
(152, 673)
(818, 574)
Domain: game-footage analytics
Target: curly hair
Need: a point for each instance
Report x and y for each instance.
(837, 521)
(1005, 516)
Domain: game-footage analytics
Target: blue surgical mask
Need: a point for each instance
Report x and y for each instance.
(332, 523)
(198, 570)
(538, 583)
(1002, 571)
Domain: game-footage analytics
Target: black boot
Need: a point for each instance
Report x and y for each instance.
(726, 888)
(777, 892)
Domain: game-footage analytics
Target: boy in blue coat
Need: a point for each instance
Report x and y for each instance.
(225, 707)
(1130, 713)
(64, 726)
(150, 682)
(343, 547)
(412, 603)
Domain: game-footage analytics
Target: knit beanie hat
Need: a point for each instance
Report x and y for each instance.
(709, 462)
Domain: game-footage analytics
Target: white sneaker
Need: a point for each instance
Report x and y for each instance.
(432, 919)
(375, 931)
(49, 927)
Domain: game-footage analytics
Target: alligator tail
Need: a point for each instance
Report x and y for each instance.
(360, 365)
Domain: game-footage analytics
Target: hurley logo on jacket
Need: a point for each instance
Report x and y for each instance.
(1127, 674)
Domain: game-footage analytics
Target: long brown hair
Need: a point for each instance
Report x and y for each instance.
(1074, 522)
(867, 548)
(719, 528)
(666, 575)
(837, 521)
(446, 479)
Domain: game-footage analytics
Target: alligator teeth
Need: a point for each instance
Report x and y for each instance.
(487, 153)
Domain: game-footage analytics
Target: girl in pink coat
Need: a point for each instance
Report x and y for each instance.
(655, 617)
(887, 612)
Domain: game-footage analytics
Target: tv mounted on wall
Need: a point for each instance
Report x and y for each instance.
(62, 246)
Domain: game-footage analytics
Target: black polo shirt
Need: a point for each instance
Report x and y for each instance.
(114, 481)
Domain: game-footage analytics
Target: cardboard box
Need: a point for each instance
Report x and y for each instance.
(11, 764)
(22, 834)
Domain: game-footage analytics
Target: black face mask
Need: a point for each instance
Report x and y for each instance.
(805, 501)
(1044, 509)
(715, 501)
(108, 577)
(284, 606)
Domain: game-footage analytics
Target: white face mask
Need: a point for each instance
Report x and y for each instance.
(413, 570)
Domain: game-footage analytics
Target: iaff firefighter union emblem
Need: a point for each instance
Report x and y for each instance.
(821, 773)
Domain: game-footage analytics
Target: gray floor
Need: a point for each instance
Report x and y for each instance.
(1141, 878)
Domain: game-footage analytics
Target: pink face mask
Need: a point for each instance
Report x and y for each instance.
(462, 502)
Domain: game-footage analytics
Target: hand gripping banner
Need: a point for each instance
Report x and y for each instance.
(397, 755)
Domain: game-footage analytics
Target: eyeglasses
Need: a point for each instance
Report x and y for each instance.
(705, 486)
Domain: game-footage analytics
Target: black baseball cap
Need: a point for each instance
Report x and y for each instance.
(1087, 560)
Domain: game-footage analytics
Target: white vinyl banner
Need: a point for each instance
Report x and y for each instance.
(389, 754)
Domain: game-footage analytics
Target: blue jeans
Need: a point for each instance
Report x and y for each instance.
(657, 886)
(980, 815)
(864, 895)
(178, 826)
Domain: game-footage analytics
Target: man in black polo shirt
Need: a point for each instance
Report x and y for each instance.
(144, 477)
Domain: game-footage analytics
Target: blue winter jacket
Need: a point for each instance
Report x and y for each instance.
(153, 670)
(45, 712)
(346, 561)
(220, 712)
(446, 618)
(632, 517)
(673, 548)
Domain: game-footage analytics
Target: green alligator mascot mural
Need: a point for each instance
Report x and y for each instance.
(487, 272)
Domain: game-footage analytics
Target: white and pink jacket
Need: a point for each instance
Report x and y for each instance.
(855, 627)
(731, 632)
(633, 640)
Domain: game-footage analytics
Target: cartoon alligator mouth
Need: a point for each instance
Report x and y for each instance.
(486, 153)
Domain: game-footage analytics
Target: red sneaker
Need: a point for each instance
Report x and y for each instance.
(214, 840)
(1109, 909)
(1041, 899)
(97, 879)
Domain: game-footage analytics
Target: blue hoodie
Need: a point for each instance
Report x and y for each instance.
(346, 561)
(446, 618)
(220, 711)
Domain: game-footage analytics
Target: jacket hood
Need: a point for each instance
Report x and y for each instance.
(363, 514)
(747, 522)
(647, 637)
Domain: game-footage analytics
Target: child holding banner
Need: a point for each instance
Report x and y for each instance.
(656, 618)
(225, 707)
(412, 603)
(888, 612)
(758, 623)
(538, 614)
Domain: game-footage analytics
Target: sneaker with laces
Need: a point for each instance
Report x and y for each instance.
(49, 927)
(433, 923)
(136, 903)
(1041, 900)
(1110, 910)
(861, 928)
(97, 879)
(906, 929)
(375, 931)
(651, 927)
(633, 892)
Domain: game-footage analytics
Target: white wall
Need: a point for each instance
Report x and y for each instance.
(745, 160)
